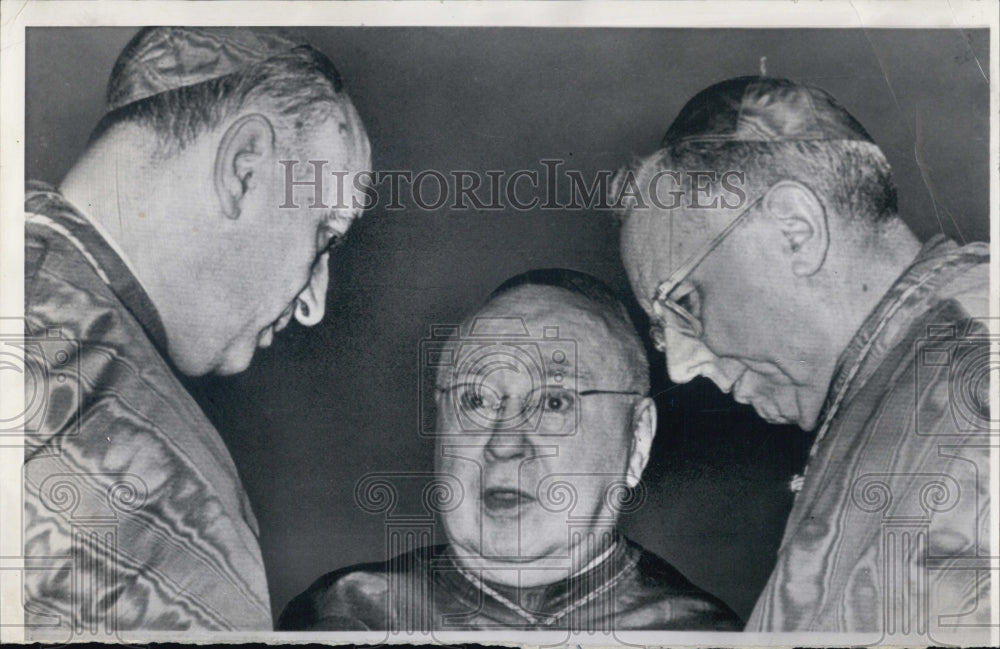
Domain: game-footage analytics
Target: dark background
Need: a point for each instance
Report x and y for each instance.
(323, 407)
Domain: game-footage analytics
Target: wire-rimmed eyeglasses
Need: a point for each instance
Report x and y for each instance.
(686, 322)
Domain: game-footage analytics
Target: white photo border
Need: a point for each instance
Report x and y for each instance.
(16, 16)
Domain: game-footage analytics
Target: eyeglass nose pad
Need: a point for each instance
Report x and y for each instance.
(656, 334)
(656, 328)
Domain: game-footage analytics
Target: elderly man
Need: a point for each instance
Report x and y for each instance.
(544, 424)
(172, 247)
(763, 241)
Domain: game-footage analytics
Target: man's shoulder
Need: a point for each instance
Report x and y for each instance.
(50, 258)
(932, 345)
(660, 576)
(69, 307)
(353, 598)
(970, 283)
(68, 294)
(339, 600)
(660, 597)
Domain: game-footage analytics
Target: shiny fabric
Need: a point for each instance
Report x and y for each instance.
(167, 58)
(135, 516)
(763, 109)
(424, 590)
(890, 533)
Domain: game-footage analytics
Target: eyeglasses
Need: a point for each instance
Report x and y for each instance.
(547, 409)
(686, 322)
(335, 241)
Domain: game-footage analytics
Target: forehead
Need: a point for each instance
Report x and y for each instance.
(640, 251)
(655, 243)
(325, 167)
(553, 319)
(344, 136)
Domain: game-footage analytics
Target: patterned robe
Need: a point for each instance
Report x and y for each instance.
(425, 590)
(889, 535)
(135, 516)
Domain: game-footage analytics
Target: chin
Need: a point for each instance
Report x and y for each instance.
(808, 424)
(775, 415)
(234, 362)
(771, 417)
(777, 409)
(498, 541)
(192, 364)
(527, 540)
(503, 540)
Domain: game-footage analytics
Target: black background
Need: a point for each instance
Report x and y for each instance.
(323, 407)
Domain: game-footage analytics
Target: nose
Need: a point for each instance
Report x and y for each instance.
(689, 357)
(686, 356)
(310, 305)
(506, 445)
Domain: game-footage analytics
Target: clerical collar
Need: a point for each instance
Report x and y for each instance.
(559, 598)
(917, 283)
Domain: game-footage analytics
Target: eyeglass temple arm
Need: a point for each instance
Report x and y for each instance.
(668, 285)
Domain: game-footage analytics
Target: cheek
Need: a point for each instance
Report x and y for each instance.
(463, 521)
(295, 233)
(463, 474)
(599, 446)
(736, 319)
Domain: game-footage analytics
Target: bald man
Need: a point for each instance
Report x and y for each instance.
(545, 449)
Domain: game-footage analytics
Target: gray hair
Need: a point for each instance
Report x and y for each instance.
(851, 178)
(299, 88)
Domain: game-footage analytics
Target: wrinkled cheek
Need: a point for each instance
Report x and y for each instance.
(735, 324)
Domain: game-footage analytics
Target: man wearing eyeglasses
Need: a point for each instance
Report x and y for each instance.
(172, 247)
(543, 430)
(812, 301)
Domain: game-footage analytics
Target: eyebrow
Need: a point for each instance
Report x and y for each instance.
(332, 216)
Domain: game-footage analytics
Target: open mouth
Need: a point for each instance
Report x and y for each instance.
(500, 500)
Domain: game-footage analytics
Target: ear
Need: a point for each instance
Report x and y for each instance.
(800, 216)
(246, 144)
(643, 430)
